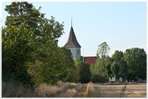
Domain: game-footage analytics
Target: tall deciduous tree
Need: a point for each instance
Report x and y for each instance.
(16, 50)
(101, 69)
(136, 61)
(43, 41)
(118, 57)
(103, 50)
(20, 12)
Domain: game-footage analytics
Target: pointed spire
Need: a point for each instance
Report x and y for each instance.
(72, 41)
(71, 21)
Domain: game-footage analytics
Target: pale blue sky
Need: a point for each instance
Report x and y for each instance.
(121, 24)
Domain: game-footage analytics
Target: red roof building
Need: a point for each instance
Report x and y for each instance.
(91, 59)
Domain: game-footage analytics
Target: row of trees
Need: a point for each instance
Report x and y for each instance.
(130, 65)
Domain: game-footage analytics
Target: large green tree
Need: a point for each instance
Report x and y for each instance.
(20, 12)
(101, 70)
(38, 48)
(49, 66)
(69, 70)
(136, 61)
(16, 51)
(118, 57)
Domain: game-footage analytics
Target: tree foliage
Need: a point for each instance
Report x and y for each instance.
(16, 46)
(83, 69)
(30, 44)
(118, 58)
(117, 55)
(50, 63)
(69, 72)
(136, 61)
(123, 69)
(23, 12)
(103, 50)
(101, 69)
(115, 68)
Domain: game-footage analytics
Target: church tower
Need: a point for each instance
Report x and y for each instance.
(73, 44)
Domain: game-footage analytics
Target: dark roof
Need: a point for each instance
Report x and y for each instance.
(72, 41)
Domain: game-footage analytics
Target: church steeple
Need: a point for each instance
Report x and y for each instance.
(72, 41)
(73, 44)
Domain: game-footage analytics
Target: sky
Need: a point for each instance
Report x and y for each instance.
(122, 25)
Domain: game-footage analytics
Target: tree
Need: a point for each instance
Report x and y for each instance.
(84, 72)
(99, 71)
(42, 50)
(115, 68)
(108, 69)
(25, 12)
(16, 51)
(103, 50)
(69, 70)
(117, 55)
(49, 66)
(83, 69)
(79, 59)
(21, 12)
(123, 69)
(136, 61)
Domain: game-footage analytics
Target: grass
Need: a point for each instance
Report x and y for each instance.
(66, 89)
(60, 89)
(92, 91)
(12, 90)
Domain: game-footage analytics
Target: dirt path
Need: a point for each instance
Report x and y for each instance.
(136, 90)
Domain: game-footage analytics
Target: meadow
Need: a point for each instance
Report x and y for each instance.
(66, 89)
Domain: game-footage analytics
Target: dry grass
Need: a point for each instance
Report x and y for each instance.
(92, 91)
(11, 90)
(48, 91)
(54, 90)
(65, 89)
(44, 90)
(68, 93)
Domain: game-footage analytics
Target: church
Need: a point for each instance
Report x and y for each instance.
(75, 47)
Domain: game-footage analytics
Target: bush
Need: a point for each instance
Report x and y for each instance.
(84, 72)
(98, 78)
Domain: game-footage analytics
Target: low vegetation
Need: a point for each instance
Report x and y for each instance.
(61, 89)
(66, 89)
